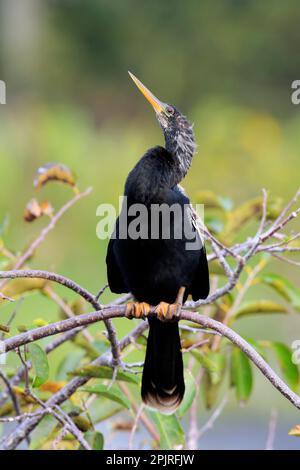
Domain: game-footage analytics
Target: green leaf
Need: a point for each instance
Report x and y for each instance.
(226, 203)
(189, 395)
(95, 439)
(103, 372)
(211, 391)
(82, 422)
(260, 306)
(69, 362)
(218, 360)
(142, 340)
(215, 370)
(4, 328)
(244, 213)
(216, 268)
(258, 346)
(209, 199)
(104, 409)
(170, 431)
(40, 364)
(241, 374)
(214, 225)
(113, 393)
(4, 225)
(81, 342)
(284, 288)
(4, 262)
(42, 432)
(20, 287)
(213, 362)
(289, 369)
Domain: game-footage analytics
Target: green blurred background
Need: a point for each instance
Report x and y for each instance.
(227, 65)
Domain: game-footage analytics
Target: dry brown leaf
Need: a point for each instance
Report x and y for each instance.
(54, 172)
(34, 210)
(295, 431)
(52, 387)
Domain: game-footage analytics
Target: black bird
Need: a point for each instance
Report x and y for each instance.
(160, 270)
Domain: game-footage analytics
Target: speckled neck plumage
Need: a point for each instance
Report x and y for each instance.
(181, 145)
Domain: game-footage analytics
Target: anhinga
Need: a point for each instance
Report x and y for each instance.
(159, 271)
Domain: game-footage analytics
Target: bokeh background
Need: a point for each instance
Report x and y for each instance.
(228, 65)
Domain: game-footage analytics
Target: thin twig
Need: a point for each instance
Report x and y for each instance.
(4, 297)
(84, 293)
(53, 221)
(215, 415)
(54, 410)
(222, 260)
(14, 313)
(287, 207)
(272, 430)
(13, 440)
(240, 252)
(286, 260)
(117, 312)
(60, 437)
(196, 345)
(65, 308)
(14, 419)
(100, 292)
(135, 425)
(11, 393)
(192, 437)
(197, 330)
(143, 417)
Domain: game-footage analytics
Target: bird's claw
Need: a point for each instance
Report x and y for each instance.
(137, 310)
(168, 312)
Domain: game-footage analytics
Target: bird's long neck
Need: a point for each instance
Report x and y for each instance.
(181, 145)
(162, 168)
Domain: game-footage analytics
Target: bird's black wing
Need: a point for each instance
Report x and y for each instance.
(114, 276)
(200, 284)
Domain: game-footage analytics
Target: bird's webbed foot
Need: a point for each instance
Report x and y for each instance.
(169, 312)
(137, 310)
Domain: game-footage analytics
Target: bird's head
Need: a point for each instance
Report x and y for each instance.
(178, 131)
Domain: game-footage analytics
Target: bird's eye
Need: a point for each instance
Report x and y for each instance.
(169, 111)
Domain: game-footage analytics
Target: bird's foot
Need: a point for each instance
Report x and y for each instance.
(169, 312)
(137, 310)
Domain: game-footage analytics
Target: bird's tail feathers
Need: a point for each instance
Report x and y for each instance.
(163, 382)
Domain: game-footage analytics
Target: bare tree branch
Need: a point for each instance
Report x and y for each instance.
(215, 415)
(84, 293)
(68, 328)
(24, 429)
(11, 393)
(135, 425)
(41, 237)
(114, 312)
(272, 430)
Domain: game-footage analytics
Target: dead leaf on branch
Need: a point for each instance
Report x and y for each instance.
(295, 431)
(54, 172)
(34, 210)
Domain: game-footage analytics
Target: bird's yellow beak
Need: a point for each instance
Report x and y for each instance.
(157, 105)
